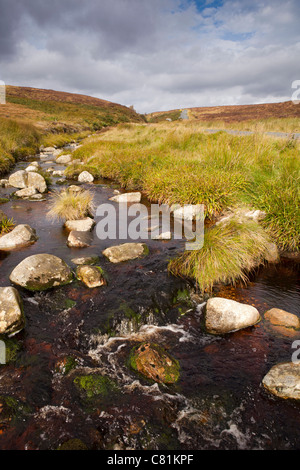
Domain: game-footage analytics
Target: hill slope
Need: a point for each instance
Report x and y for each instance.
(59, 111)
(234, 114)
(32, 117)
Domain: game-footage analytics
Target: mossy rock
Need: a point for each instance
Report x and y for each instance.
(11, 409)
(95, 385)
(73, 444)
(12, 348)
(65, 365)
(152, 361)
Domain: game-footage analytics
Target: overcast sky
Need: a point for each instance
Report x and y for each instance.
(154, 54)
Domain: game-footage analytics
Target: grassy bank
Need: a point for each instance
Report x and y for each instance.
(19, 139)
(33, 117)
(177, 163)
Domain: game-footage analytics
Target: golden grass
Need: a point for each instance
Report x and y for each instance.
(69, 205)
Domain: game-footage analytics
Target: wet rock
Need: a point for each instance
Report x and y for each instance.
(272, 253)
(163, 236)
(19, 237)
(125, 252)
(11, 411)
(73, 444)
(11, 311)
(188, 212)
(31, 168)
(18, 179)
(93, 385)
(59, 173)
(225, 316)
(85, 177)
(90, 260)
(282, 322)
(82, 225)
(36, 181)
(64, 159)
(155, 363)
(37, 197)
(91, 276)
(26, 192)
(41, 272)
(4, 183)
(78, 239)
(74, 189)
(283, 380)
(127, 197)
(23, 179)
(49, 149)
(241, 214)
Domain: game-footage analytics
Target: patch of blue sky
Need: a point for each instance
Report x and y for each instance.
(201, 4)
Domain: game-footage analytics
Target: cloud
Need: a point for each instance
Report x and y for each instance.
(157, 55)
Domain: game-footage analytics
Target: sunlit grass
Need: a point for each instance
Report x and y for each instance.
(229, 253)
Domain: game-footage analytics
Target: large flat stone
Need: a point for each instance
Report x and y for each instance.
(125, 252)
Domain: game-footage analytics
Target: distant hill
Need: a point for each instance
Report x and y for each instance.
(64, 112)
(238, 113)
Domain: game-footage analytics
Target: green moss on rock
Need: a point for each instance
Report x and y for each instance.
(152, 361)
(94, 385)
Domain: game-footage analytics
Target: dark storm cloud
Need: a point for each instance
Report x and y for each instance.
(116, 25)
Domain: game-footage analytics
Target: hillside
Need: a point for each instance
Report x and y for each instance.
(32, 117)
(234, 115)
(59, 111)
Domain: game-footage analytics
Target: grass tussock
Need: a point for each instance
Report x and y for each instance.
(68, 205)
(230, 252)
(6, 225)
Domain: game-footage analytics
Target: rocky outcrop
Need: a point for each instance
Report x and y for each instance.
(125, 252)
(225, 316)
(19, 237)
(127, 197)
(283, 380)
(11, 311)
(85, 177)
(82, 225)
(91, 276)
(152, 361)
(41, 272)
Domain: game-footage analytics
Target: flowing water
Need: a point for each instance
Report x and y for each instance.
(218, 403)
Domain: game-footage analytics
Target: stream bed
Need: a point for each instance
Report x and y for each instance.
(218, 403)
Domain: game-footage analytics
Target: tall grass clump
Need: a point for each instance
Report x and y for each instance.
(229, 253)
(69, 205)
